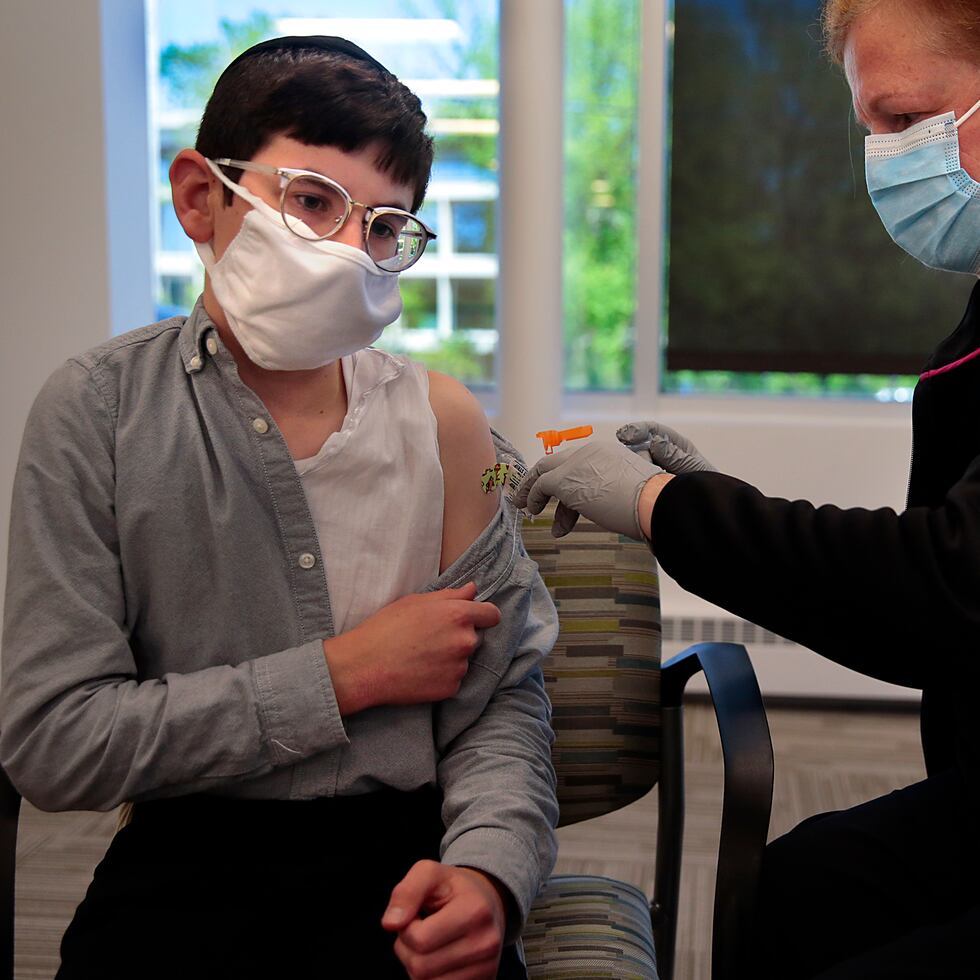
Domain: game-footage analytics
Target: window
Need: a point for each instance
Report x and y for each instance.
(781, 278)
(446, 53)
(474, 226)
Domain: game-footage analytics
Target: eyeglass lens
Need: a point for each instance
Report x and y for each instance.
(314, 209)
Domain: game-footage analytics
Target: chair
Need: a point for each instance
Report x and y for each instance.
(9, 812)
(619, 731)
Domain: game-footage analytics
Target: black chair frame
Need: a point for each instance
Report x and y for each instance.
(9, 814)
(747, 804)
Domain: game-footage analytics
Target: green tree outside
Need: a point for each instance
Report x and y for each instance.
(601, 78)
(189, 72)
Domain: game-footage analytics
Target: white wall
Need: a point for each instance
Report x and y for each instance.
(53, 259)
(57, 116)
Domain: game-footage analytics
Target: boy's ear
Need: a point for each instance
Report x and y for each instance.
(190, 182)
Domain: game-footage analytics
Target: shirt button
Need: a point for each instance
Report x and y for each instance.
(306, 560)
(260, 425)
(212, 345)
(196, 362)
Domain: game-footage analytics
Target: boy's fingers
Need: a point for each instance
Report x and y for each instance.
(409, 896)
(437, 930)
(485, 615)
(467, 591)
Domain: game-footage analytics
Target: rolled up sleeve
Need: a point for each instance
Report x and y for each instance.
(500, 806)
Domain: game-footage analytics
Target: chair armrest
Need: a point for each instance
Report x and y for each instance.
(747, 804)
(9, 814)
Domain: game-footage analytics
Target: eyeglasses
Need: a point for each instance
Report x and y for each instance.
(315, 207)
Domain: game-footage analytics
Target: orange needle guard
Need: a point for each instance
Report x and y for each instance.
(555, 437)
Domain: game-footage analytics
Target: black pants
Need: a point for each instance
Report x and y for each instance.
(889, 889)
(201, 887)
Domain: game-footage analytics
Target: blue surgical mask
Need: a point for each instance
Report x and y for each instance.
(928, 203)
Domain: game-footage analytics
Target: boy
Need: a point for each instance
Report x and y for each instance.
(337, 748)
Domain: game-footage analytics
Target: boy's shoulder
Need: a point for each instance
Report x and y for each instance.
(464, 431)
(162, 333)
(451, 398)
(466, 451)
(129, 360)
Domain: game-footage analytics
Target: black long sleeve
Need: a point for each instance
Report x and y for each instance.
(875, 591)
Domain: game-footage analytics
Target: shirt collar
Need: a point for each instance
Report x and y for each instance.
(193, 335)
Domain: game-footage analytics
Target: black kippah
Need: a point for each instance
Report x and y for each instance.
(321, 42)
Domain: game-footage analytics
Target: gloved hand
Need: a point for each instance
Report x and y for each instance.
(601, 480)
(667, 448)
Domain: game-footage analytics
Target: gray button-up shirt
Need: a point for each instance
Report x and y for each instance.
(167, 602)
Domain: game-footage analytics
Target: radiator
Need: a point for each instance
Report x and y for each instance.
(784, 668)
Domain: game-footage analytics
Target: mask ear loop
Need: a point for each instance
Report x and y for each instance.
(266, 210)
(205, 250)
(963, 119)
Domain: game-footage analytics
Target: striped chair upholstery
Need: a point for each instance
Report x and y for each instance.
(603, 678)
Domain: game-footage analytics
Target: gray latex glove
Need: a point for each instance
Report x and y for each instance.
(601, 480)
(667, 448)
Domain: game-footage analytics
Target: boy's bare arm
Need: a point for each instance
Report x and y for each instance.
(466, 451)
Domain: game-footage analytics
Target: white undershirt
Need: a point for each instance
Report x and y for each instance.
(375, 488)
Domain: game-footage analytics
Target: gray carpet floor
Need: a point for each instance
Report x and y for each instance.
(824, 760)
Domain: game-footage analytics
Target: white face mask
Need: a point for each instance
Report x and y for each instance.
(294, 304)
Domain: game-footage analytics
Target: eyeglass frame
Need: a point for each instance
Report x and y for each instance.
(287, 174)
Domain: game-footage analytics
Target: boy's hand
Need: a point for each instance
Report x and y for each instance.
(461, 936)
(414, 650)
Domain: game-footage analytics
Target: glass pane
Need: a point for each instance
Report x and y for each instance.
(446, 52)
(177, 294)
(602, 54)
(419, 299)
(474, 226)
(778, 263)
(469, 352)
(429, 213)
(473, 300)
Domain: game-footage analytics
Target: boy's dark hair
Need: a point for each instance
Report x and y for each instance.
(323, 92)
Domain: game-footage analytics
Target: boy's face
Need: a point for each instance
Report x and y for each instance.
(354, 170)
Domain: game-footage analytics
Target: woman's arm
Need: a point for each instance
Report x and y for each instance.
(874, 590)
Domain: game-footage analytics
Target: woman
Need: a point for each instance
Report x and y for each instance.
(889, 888)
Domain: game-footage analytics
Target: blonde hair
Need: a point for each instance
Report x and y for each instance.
(955, 23)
